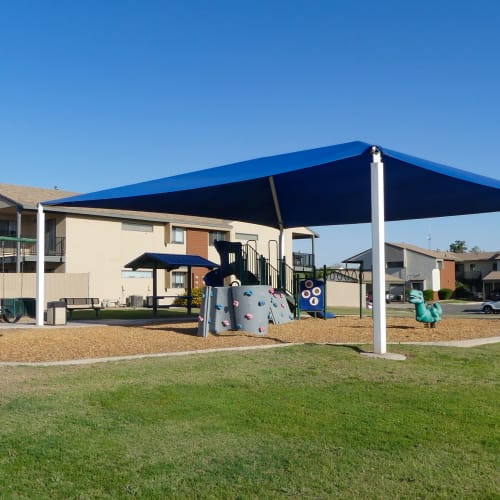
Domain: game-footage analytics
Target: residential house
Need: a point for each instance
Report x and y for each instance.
(93, 245)
(479, 271)
(416, 267)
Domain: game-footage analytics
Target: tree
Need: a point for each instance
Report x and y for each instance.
(459, 246)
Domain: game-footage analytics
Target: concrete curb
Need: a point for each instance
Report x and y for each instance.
(89, 361)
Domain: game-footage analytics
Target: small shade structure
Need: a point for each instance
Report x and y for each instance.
(346, 183)
(169, 262)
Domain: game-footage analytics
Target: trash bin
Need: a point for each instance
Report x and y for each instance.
(56, 313)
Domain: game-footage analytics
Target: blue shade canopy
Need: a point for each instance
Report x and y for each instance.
(316, 187)
(169, 261)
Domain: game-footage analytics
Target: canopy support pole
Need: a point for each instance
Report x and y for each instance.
(281, 227)
(18, 243)
(155, 290)
(378, 252)
(40, 265)
(190, 290)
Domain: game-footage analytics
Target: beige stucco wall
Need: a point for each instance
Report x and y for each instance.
(101, 248)
(339, 293)
(57, 285)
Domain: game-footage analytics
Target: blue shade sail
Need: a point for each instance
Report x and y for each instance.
(169, 261)
(316, 187)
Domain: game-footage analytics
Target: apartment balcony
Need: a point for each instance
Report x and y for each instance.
(303, 261)
(55, 250)
(469, 275)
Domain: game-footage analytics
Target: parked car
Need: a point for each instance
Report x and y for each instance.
(491, 307)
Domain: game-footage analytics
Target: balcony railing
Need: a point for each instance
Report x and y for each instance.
(303, 261)
(54, 247)
(469, 275)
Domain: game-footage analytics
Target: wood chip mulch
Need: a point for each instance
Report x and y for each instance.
(96, 341)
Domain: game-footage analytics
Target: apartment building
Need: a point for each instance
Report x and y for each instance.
(98, 243)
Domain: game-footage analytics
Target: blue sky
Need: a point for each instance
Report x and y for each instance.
(97, 94)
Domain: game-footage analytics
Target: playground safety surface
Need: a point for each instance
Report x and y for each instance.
(97, 340)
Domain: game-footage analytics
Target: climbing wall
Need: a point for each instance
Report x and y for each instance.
(247, 308)
(279, 312)
(216, 312)
(251, 308)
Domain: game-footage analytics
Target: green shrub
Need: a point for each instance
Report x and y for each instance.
(445, 293)
(428, 295)
(196, 293)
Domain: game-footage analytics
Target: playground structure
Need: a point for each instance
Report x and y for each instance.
(262, 293)
(248, 308)
(245, 266)
(429, 314)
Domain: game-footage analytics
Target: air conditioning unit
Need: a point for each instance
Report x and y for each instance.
(135, 301)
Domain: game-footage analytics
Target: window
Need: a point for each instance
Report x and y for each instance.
(216, 236)
(7, 228)
(246, 236)
(439, 264)
(178, 279)
(418, 285)
(135, 226)
(136, 274)
(395, 265)
(177, 235)
(495, 266)
(472, 267)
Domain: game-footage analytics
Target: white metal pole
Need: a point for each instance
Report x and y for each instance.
(378, 252)
(40, 266)
(282, 245)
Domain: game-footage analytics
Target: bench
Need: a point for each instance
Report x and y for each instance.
(75, 303)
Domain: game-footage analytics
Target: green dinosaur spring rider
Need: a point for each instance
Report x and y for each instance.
(429, 314)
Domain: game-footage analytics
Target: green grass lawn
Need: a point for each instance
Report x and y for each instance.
(300, 422)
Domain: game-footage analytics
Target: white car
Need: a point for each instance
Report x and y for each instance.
(491, 307)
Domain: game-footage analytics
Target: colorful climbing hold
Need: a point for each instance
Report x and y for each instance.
(236, 303)
(225, 322)
(262, 329)
(261, 303)
(239, 326)
(218, 307)
(248, 293)
(200, 319)
(248, 315)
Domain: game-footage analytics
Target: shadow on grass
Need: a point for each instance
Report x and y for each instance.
(353, 347)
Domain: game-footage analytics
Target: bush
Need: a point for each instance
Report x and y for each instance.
(445, 293)
(428, 295)
(196, 293)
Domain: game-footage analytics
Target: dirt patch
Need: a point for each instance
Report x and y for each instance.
(56, 344)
